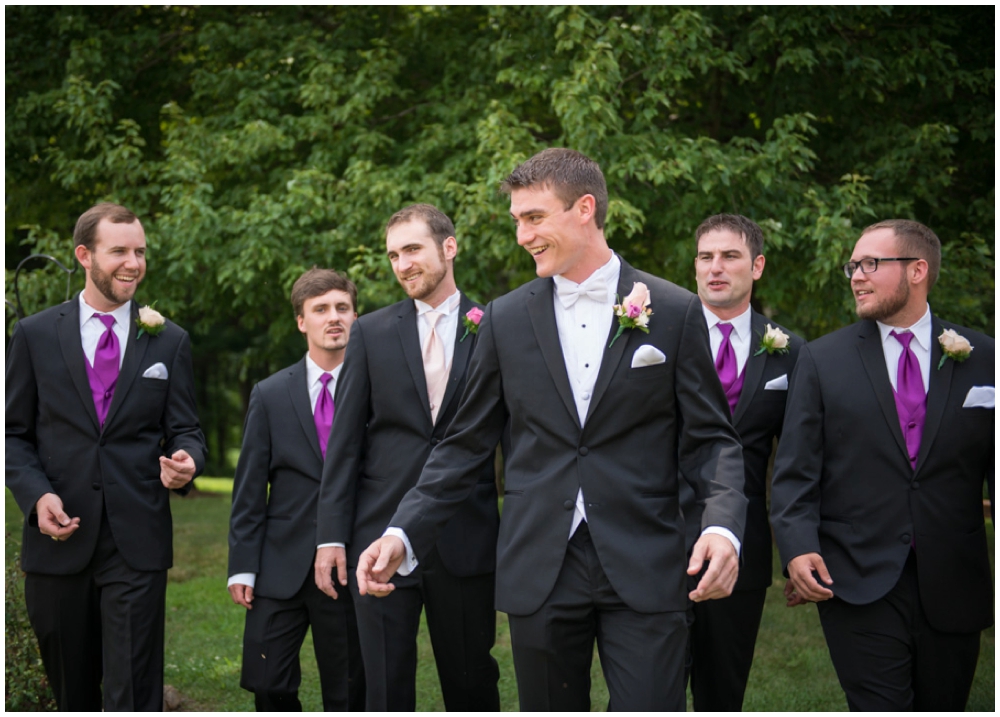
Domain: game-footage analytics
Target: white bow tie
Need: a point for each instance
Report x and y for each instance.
(596, 289)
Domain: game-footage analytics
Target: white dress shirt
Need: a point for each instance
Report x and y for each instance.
(313, 373)
(741, 337)
(92, 329)
(920, 345)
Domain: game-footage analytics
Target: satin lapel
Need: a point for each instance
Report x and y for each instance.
(543, 321)
(870, 348)
(754, 369)
(68, 330)
(613, 356)
(410, 340)
(939, 387)
(135, 352)
(460, 358)
(298, 393)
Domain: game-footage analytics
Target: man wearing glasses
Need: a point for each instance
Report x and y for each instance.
(878, 483)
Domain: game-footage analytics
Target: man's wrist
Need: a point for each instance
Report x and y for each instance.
(410, 563)
(725, 533)
(248, 579)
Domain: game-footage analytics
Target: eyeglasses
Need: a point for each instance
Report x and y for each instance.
(868, 266)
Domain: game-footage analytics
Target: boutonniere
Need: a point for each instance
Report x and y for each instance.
(774, 341)
(633, 312)
(150, 321)
(953, 346)
(471, 322)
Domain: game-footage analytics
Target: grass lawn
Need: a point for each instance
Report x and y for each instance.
(791, 670)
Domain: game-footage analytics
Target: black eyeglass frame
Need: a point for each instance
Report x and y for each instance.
(852, 266)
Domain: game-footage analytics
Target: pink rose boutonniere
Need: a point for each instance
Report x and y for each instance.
(471, 322)
(633, 312)
(954, 346)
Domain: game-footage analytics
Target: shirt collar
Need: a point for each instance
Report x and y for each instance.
(610, 272)
(313, 371)
(446, 307)
(123, 314)
(741, 324)
(921, 330)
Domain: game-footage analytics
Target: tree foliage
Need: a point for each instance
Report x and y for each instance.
(256, 142)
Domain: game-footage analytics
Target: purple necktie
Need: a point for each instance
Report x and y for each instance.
(103, 375)
(911, 399)
(323, 416)
(728, 369)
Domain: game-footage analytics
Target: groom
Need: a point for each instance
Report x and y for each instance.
(591, 540)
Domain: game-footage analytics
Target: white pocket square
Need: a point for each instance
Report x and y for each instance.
(777, 384)
(647, 355)
(157, 370)
(980, 397)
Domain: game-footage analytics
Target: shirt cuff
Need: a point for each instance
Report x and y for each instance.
(248, 579)
(331, 545)
(409, 564)
(725, 533)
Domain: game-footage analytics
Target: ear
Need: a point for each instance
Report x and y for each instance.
(586, 206)
(301, 321)
(82, 256)
(918, 271)
(450, 248)
(758, 267)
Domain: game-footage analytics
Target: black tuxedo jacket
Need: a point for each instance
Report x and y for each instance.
(55, 444)
(272, 529)
(844, 488)
(626, 457)
(381, 437)
(758, 418)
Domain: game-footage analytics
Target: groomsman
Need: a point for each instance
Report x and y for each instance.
(101, 426)
(272, 528)
(591, 544)
(878, 483)
(754, 357)
(403, 376)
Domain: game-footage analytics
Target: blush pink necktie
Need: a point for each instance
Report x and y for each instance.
(435, 365)
(323, 415)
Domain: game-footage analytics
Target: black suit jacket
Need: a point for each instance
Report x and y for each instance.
(381, 437)
(758, 418)
(844, 488)
(55, 444)
(626, 457)
(272, 529)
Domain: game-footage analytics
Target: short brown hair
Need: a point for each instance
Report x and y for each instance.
(914, 239)
(751, 232)
(438, 223)
(568, 173)
(85, 233)
(317, 282)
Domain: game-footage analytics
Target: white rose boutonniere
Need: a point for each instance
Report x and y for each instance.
(633, 312)
(954, 346)
(773, 341)
(150, 321)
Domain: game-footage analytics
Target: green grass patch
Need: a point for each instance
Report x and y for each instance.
(204, 631)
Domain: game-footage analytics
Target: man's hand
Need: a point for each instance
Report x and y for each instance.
(804, 585)
(792, 597)
(326, 560)
(722, 571)
(378, 564)
(52, 519)
(242, 595)
(176, 471)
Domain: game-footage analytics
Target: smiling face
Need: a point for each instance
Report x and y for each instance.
(725, 272)
(115, 266)
(421, 265)
(556, 237)
(326, 323)
(884, 295)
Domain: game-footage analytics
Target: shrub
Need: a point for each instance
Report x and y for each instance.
(27, 688)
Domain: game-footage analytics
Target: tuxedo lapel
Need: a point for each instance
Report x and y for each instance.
(461, 356)
(135, 351)
(939, 387)
(410, 340)
(542, 315)
(71, 345)
(613, 356)
(754, 369)
(298, 394)
(873, 358)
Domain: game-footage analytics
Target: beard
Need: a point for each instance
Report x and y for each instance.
(105, 284)
(429, 281)
(888, 306)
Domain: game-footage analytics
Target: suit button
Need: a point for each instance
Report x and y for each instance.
(583, 450)
(95, 486)
(569, 505)
(916, 485)
(435, 441)
(102, 441)
(905, 538)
